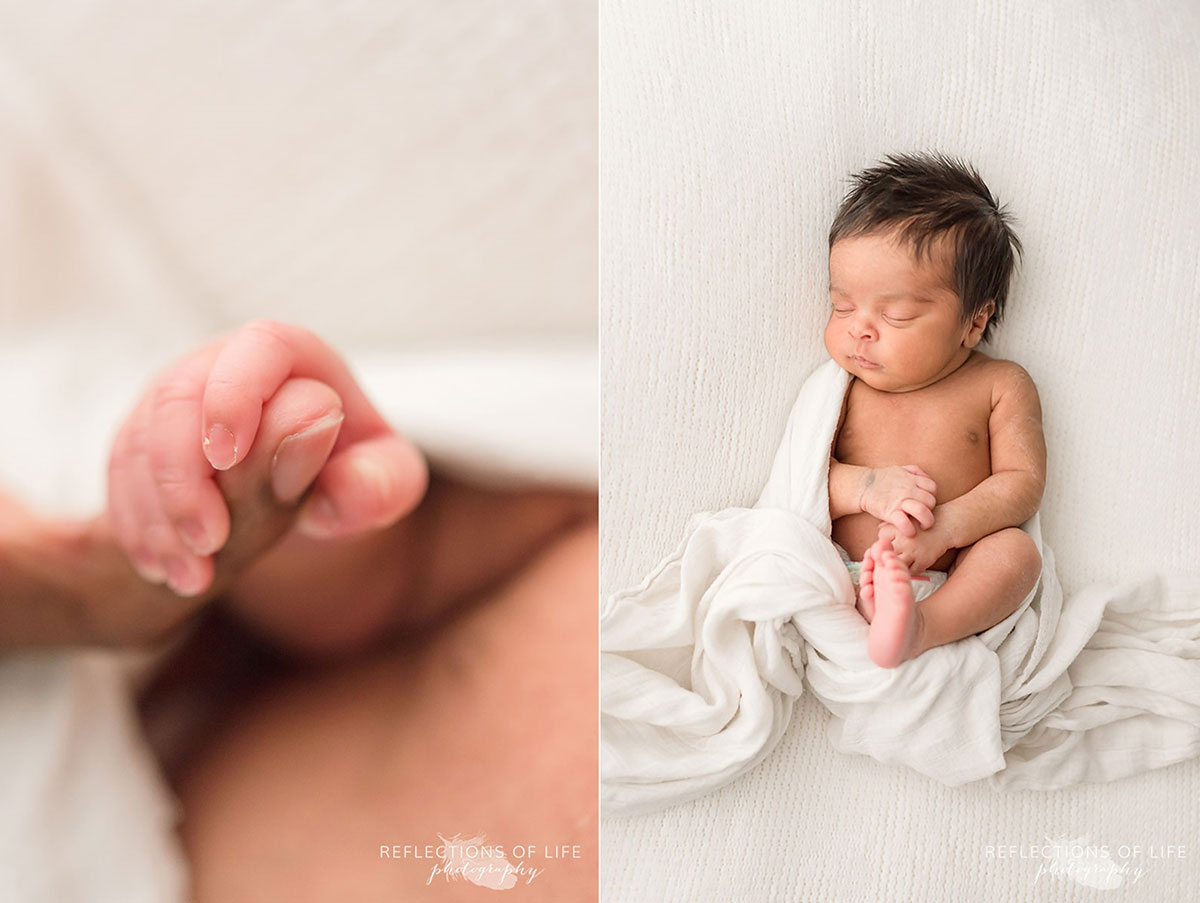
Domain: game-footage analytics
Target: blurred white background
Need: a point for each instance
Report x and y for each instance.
(399, 177)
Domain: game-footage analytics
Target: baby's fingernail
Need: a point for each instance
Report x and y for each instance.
(319, 519)
(181, 578)
(220, 447)
(301, 456)
(195, 537)
(148, 566)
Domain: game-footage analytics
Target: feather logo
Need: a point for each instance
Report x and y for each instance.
(476, 861)
(1084, 864)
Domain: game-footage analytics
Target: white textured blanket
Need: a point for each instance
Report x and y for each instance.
(702, 660)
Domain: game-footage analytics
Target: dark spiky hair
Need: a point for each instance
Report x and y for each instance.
(924, 197)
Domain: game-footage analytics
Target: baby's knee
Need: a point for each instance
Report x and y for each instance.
(1020, 553)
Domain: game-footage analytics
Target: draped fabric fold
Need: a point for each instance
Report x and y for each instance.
(700, 663)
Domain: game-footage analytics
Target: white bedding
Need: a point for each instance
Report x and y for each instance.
(701, 661)
(728, 133)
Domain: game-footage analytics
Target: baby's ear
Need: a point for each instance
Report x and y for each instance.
(978, 323)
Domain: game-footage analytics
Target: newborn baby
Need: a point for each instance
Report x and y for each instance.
(939, 454)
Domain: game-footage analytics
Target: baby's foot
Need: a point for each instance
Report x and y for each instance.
(896, 626)
(866, 586)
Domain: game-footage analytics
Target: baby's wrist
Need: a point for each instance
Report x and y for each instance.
(946, 525)
(866, 479)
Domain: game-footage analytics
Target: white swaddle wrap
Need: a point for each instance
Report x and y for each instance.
(700, 663)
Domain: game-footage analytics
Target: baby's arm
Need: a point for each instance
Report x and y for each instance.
(1012, 494)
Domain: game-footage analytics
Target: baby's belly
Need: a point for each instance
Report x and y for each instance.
(942, 429)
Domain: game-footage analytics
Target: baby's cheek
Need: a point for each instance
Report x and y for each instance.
(829, 343)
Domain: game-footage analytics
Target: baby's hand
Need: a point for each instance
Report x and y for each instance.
(918, 553)
(899, 496)
(278, 399)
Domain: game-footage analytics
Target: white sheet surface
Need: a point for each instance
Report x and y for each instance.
(728, 133)
(757, 603)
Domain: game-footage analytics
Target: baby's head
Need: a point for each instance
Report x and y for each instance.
(920, 257)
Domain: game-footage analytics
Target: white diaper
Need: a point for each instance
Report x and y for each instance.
(923, 584)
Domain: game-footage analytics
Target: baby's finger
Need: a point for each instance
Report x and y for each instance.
(368, 485)
(918, 512)
(155, 548)
(928, 499)
(127, 482)
(923, 480)
(251, 367)
(190, 499)
(900, 521)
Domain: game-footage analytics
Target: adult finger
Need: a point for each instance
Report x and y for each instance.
(368, 485)
(300, 426)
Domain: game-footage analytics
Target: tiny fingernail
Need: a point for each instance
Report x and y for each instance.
(181, 578)
(177, 573)
(220, 447)
(195, 537)
(319, 519)
(148, 566)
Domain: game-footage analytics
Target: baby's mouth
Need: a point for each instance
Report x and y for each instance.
(863, 362)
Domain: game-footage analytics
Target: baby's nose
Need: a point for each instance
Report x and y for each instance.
(862, 328)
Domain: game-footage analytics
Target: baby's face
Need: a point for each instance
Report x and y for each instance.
(896, 323)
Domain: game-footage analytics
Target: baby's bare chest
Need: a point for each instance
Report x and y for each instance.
(946, 434)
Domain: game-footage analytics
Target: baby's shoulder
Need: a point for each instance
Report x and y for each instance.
(1004, 378)
(1001, 372)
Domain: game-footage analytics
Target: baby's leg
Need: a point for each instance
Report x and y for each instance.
(986, 584)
